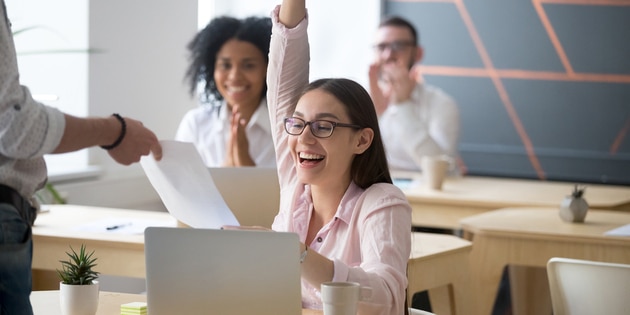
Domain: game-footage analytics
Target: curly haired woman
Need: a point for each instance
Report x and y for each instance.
(228, 60)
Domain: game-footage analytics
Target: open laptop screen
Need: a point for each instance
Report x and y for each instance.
(208, 271)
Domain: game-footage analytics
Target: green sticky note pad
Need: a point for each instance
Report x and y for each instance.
(134, 307)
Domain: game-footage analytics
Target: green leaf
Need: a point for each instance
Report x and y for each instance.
(30, 28)
(52, 51)
(56, 196)
(61, 51)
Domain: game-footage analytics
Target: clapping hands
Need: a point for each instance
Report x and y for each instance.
(237, 151)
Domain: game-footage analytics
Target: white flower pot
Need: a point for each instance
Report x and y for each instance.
(573, 209)
(79, 299)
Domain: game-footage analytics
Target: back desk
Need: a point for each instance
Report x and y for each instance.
(526, 238)
(465, 196)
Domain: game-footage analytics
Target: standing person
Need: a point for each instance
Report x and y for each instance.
(28, 130)
(416, 119)
(337, 193)
(229, 58)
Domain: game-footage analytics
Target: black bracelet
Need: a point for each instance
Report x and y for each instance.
(123, 131)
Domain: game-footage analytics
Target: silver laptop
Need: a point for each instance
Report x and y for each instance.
(252, 193)
(228, 272)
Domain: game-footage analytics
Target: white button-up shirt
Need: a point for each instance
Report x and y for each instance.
(208, 128)
(426, 124)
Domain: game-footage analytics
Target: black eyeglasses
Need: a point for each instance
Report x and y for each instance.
(319, 128)
(395, 46)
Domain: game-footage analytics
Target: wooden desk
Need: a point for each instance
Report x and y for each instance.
(438, 263)
(465, 196)
(47, 303)
(529, 237)
(118, 254)
(123, 255)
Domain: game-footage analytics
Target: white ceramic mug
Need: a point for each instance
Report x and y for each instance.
(341, 298)
(434, 169)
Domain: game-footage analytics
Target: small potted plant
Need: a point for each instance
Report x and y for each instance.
(78, 289)
(574, 207)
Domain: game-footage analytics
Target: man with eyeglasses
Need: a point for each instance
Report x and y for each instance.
(416, 119)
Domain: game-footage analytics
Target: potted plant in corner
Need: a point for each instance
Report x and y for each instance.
(574, 207)
(78, 289)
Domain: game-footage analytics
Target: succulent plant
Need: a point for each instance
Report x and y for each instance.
(578, 191)
(574, 207)
(78, 269)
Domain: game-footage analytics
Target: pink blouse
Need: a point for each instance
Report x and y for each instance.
(369, 238)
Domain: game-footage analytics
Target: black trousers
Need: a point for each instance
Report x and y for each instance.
(24, 207)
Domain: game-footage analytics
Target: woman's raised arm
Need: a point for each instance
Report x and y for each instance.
(292, 12)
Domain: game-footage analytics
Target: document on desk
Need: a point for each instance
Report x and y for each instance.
(623, 230)
(186, 187)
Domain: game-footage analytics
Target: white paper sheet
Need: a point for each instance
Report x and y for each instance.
(186, 186)
(623, 230)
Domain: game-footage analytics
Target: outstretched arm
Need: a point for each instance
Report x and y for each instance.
(82, 133)
(286, 77)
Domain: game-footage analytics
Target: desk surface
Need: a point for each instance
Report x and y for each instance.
(545, 223)
(428, 246)
(47, 303)
(510, 192)
(529, 237)
(66, 221)
(119, 254)
(465, 196)
(438, 264)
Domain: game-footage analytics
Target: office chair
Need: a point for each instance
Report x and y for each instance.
(582, 287)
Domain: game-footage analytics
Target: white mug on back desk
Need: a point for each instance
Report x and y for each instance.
(341, 298)
(434, 170)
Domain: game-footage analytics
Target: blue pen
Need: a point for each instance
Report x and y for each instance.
(114, 227)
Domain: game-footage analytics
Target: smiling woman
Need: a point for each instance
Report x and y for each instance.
(337, 193)
(228, 61)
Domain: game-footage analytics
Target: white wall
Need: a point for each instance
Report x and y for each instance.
(141, 73)
(341, 32)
